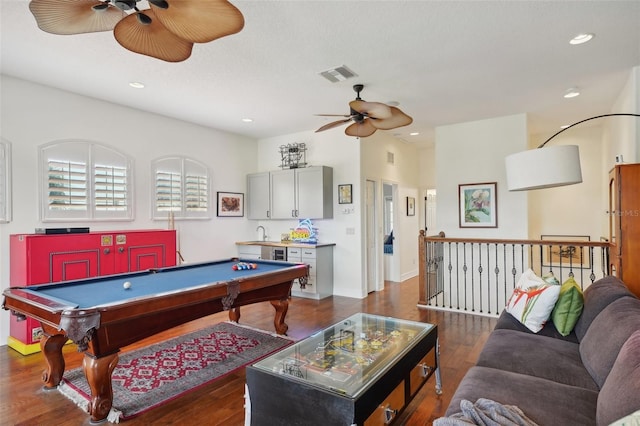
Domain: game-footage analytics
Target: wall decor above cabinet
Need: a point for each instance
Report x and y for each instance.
(291, 194)
(293, 155)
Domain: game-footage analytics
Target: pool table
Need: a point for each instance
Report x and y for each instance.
(101, 315)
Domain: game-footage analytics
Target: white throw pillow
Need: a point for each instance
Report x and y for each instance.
(533, 300)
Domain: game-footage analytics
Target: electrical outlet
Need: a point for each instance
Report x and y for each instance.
(619, 159)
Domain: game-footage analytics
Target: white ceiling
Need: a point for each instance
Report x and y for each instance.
(445, 62)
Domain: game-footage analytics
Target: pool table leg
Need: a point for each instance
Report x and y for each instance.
(281, 307)
(98, 373)
(51, 346)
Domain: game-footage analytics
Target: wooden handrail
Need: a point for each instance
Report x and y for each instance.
(511, 241)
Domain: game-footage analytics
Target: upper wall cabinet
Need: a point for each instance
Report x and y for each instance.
(291, 194)
(302, 193)
(258, 196)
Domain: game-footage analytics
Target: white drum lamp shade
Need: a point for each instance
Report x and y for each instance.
(545, 167)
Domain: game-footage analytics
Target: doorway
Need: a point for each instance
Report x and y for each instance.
(371, 237)
(391, 232)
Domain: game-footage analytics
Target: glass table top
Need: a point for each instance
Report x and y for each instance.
(349, 356)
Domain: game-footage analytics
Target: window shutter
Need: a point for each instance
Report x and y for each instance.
(5, 182)
(110, 188)
(182, 187)
(67, 185)
(168, 191)
(84, 181)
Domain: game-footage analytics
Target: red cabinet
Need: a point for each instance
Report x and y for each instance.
(38, 259)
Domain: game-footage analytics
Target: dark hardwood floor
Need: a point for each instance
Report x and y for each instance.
(24, 402)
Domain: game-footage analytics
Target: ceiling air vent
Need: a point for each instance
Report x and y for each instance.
(337, 74)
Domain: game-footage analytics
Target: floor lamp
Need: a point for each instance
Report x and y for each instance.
(548, 167)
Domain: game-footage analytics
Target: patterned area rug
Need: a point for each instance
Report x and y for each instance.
(148, 377)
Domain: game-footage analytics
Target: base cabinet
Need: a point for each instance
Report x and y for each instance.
(41, 258)
(320, 281)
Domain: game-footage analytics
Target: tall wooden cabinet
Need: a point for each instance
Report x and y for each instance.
(624, 224)
(42, 258)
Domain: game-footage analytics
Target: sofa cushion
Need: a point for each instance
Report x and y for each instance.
(506, 321)
(537, 356)
(532, 301)
(620, 394)
(597, 297)
(568, 307)
(608, 332)
(543, 401)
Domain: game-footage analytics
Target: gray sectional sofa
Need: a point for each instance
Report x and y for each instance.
(590, 377)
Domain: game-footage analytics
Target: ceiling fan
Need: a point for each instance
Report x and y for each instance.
(368, 117)
(166, 30)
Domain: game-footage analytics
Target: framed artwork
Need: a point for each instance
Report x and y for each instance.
(411, 206)
(344, 194)
(566, 254)
(230, 204)
(478, 205)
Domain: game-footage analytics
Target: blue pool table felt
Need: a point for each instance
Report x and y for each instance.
(110, 290)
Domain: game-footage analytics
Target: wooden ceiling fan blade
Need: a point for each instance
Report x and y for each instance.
(67, 17)
(397, 119)
(371, 109)
(360, 130)
(332, 125)
(151, 39)
(199, 21)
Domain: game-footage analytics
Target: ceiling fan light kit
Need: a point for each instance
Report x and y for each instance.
(167, 30)
(368, 117)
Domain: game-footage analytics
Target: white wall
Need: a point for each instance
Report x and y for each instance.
(33, 115)
(474, 152)
(573, 209)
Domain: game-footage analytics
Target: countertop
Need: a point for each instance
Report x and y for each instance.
(281, 244)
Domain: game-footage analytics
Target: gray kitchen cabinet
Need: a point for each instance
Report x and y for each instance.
(320, 260)
(305, 193)
(259, 196)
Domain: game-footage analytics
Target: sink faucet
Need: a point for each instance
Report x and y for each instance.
(264, 232)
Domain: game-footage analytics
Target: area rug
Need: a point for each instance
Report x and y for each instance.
(151, 376)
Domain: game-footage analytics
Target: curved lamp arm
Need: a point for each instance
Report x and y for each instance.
(587, 119)
(549, 167)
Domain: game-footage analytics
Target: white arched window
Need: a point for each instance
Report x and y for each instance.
(181, 188)
(84, 181)
(5, 181)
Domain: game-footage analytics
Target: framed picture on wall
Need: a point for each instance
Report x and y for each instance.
(411, 206)
(344, 194)
(230, 204)
(563, 253)
(478, 205)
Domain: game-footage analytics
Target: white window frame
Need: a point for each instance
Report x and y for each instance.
(94, 157)
(5, 181)
(179, 172)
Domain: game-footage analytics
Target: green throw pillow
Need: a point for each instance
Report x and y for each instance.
(568, 307)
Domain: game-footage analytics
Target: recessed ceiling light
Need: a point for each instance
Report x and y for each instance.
(581, 38)
(136, 85)
(572, 93)
(414, 133)
(247, 120)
